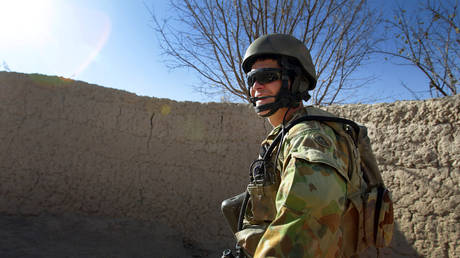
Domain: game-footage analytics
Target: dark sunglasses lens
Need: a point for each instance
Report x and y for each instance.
(266, 77)
(263, 77)
(251, 79)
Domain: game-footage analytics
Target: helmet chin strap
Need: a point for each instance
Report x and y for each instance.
(283, 99)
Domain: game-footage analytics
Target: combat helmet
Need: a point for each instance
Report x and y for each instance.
(294, 58)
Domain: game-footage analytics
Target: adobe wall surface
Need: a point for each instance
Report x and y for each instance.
(71, 147)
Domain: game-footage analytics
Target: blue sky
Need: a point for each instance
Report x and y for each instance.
(111, 43)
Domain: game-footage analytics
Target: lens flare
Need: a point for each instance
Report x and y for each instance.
(100, 43)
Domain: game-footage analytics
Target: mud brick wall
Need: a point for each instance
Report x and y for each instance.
(71, 147)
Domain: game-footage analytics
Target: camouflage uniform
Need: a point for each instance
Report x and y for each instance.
(308, 198)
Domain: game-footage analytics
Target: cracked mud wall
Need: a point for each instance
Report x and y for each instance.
(71, 147)
(417, 146)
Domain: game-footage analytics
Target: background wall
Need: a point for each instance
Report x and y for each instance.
(70, 147)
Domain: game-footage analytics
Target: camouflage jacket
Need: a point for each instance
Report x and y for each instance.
(300, 214)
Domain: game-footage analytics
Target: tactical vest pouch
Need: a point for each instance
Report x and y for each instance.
(353, 226)
(249, 237)
(378, 217)
(262, 202)
(385, 220)
(370, 209)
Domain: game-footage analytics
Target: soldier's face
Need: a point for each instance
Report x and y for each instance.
(267, 89)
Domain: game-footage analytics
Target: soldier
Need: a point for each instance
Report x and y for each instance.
(297, 193)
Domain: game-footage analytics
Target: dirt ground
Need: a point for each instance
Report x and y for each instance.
(86, 236)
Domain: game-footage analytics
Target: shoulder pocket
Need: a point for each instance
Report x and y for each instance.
(318, 156)
(316, 143)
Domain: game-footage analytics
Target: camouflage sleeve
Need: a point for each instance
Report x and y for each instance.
(310, 200)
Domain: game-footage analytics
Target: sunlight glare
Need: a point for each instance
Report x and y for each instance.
(24, 22)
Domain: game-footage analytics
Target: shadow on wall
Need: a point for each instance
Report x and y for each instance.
(70, 235)
(400, 247)
(66, 235)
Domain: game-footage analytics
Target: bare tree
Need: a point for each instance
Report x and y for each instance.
(210, 37)
(429, 38)
(5, 67)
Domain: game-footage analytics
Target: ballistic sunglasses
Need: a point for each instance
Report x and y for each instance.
(263, 76)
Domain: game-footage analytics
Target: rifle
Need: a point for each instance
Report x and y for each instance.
(233, 211)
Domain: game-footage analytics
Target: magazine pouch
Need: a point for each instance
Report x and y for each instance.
(378, 217)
